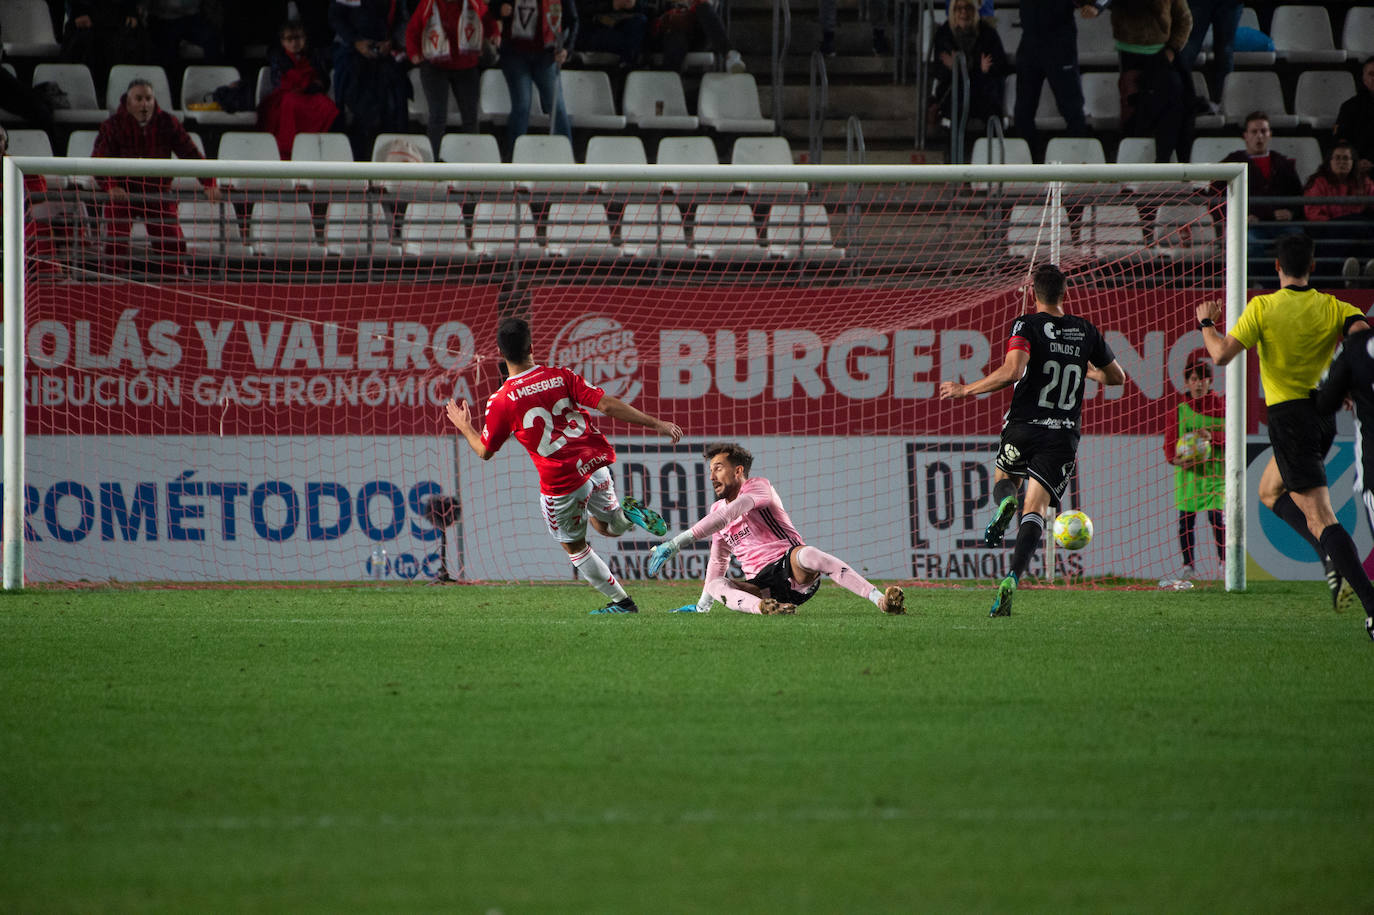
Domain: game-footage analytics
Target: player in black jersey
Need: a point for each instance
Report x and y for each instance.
(1049, 356)
(1352, 375)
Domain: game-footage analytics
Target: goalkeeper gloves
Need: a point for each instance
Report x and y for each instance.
(666, 550)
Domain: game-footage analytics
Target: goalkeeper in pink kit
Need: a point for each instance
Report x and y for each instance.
(749, 521)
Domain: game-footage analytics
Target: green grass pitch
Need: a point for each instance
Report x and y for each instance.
(494, 749)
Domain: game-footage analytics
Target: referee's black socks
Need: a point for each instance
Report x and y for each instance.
(1338, 544)
(1288, 510)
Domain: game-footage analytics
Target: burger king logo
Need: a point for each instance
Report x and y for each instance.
(599, 349)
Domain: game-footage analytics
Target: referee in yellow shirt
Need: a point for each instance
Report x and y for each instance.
(1296, 330)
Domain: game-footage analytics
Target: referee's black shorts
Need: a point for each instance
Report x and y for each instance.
(1301, 436)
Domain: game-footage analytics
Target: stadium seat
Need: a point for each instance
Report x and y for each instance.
(1214, 149)
(578, 230)
(765, 151)
(1141, 151)
(545, 149)
(434, 230)
(644, 89)
(357, 230)
(1249, 19)
(1357, 35)
(1096, 47)
(1002, 151)
(283, 231)
(653, 230)
(76, 82)
(588, 98)
(198, 83)
(725, 231)
(618, 150)
(691, 151)
(325, 147)
(1306, 153)
(1302, 35)
(1030, 230)
(1101, 100)
(80, 143)
(1248, 91)
(418, 106)
(493, 101)
(211, 229)
(1114, 232)
(480, 148)
(1075, 151)
(264, 88)
(800, 233)
(1009, 30)
(1205, 121)
(122, 74)
(255, 145)
(504, 230)
(27, 29)
(30, 141)
(729, 103)
(1185, 232)
(1319, 96)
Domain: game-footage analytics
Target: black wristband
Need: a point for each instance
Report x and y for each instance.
(1206, 322)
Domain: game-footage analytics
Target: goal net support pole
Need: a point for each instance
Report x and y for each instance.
(881, 273)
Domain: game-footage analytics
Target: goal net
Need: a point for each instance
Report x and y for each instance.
(253, 388)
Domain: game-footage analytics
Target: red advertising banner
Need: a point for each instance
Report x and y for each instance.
(382, 358)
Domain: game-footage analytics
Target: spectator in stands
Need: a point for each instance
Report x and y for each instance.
(369, 69)
(100, 34)
(173, 22)
(141, 129)
(535, 37)
(298, 102)
(444, 39)
(20, 99)
(877, 11)
(986, 59)
(1156, 87)
(1222, 17)
(687, 24)
(1271, 174)
(1343, 229)
(616, 27)
(1355, 120)
(1049, 52)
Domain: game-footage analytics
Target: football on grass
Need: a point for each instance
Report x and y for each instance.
(1073, 530)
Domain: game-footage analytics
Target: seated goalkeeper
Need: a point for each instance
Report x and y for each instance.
(749, 521)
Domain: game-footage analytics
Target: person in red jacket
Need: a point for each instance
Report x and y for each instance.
(298, 102)
(444, 38)
(1342, 225)
(142, 130)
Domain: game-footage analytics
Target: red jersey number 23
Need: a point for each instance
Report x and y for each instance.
(564, 412)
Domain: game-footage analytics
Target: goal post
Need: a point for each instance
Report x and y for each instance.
(262, 399)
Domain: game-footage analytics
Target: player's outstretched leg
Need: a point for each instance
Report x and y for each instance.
(893, 601)
(814, 560)
(1004, 494)
(1001, 604)
(646, 518)
(723, 590)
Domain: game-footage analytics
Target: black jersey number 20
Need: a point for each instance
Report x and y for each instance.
(1061, 390)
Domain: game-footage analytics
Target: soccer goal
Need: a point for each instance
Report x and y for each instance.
(252, 388)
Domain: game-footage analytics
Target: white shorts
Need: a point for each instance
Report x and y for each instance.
(566, 515)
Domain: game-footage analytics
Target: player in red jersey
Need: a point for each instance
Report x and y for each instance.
(544, 408)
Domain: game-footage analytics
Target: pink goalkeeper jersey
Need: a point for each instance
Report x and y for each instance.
(757, 537)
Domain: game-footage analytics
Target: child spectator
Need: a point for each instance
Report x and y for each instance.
(687, 24)
(298, 102)
(1198, 478)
